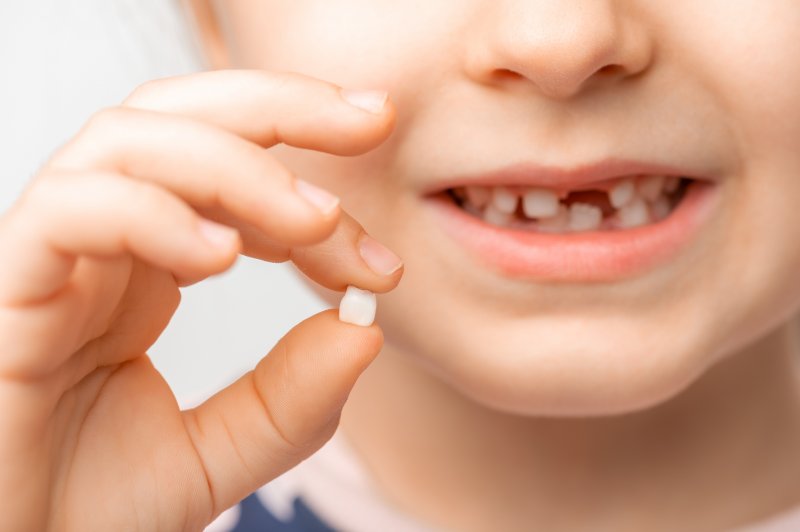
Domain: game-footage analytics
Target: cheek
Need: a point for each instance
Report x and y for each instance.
(762, 80)
(745, 54)
(354, 43)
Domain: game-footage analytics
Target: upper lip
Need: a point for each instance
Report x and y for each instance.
(573, 178)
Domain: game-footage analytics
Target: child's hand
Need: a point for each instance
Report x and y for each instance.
(91, 258)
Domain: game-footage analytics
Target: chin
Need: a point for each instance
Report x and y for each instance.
(573, 369)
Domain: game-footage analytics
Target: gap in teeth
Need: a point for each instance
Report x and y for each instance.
(624, 203)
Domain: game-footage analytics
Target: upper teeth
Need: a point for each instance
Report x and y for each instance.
(650, 187)
(622, 193)
(504, 200)
(540, 203)
(637, 201)
(633, 214)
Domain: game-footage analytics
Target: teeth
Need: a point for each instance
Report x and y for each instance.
(558, 223)
(633, 214)
(622, 193)
(479, 196)
(358, 307)
(493, 216)
(637, 202)
(504, 200)
(540, 203)
(660, 208)
(584, 217)
(650, 186)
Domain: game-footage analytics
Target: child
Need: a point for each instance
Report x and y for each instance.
(595, 207)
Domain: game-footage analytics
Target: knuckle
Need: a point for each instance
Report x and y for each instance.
(260, 388)
(145, 93)
(84, 149)
(104, 120)
(92, 146)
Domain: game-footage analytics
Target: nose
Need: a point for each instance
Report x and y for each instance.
(562, 46)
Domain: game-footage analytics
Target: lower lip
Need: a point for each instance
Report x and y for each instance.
(593, 256)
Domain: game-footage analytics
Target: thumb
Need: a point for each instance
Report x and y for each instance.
(280, 413)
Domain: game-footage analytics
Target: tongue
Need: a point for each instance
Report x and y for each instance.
(591, 197)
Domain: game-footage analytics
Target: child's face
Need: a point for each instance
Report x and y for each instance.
(708, 87)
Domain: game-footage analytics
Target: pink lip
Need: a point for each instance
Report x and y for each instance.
(596, 256)
(578, 177)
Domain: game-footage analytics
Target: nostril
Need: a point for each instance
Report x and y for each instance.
(505, 74)
(609, 71)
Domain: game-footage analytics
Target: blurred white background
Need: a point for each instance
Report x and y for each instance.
(64, 59)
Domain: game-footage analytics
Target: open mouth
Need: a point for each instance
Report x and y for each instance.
(576, 230)
(613, 205)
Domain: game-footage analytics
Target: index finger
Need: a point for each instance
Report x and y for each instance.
(275, 107)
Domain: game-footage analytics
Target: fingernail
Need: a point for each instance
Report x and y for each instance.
(370, 101)
(217, 235)
(319, 198)
(379, 259)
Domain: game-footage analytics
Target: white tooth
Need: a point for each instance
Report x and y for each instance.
(478, 196)
(633, 214)
(358, 307)
(671, 184)
(584, 217)
(540, 203)
(650, 186)
(558, 223)
(494, 216)
(660, 208)
(504, 200)
(622, 193)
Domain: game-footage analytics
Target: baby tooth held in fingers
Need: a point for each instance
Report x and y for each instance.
(358, 307)
(622, 193)
(540, 203)
(504, 200)
(650, 186)
(584, 217)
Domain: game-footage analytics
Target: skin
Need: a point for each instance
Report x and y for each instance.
(489, 389)
(667, 399)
